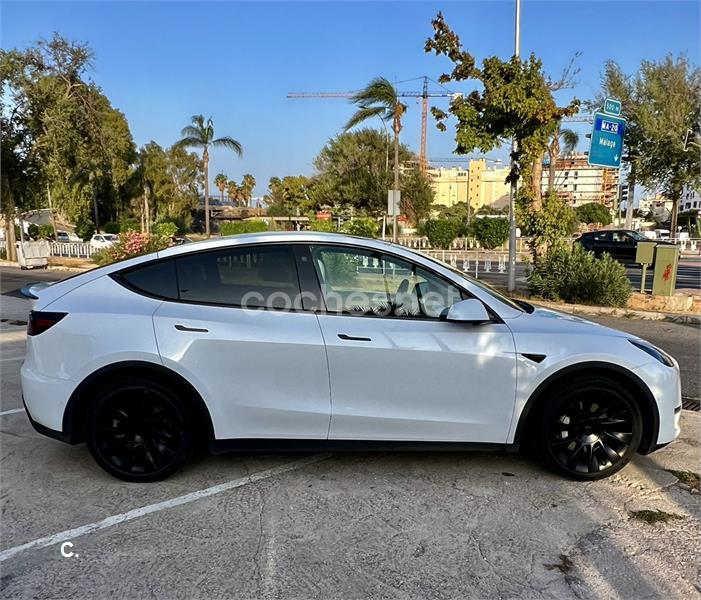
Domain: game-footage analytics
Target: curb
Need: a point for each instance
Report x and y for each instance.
(682, 318)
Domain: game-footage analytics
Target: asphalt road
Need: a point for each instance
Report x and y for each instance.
(355, 525)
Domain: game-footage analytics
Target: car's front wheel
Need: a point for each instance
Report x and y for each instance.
(139, 430)
(589, 428)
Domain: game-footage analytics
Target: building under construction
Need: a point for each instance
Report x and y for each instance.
(577, 182)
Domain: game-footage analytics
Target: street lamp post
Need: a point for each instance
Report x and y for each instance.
(514, 147)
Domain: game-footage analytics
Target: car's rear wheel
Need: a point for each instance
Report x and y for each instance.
(589, 428)
(139, 430)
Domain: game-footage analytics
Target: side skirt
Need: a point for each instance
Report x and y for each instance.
(285, 445)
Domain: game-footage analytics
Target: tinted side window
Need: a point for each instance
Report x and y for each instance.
(155, 279)
(252, 276)
(359, 282)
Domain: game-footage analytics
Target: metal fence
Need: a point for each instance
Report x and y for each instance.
(64, 249)
(422, 243)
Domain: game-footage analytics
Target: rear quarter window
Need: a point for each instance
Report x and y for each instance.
(154, 279)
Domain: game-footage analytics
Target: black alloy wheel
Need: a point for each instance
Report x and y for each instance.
(139, 431)
(590, 429)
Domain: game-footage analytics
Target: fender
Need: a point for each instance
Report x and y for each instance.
(651, 415)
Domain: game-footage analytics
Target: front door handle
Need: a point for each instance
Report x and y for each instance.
(195, 329)
(353, 338)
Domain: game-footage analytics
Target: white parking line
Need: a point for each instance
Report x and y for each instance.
(12, 358)
(11, 412)
(71, 534)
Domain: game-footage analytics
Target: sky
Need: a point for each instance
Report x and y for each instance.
(162, 62)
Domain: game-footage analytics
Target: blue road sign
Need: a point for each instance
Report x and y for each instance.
(607, 141)
(612, 107)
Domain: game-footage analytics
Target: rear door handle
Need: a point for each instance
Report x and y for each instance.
(195, 329)
(353, 338)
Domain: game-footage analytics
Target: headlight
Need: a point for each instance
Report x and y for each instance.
(654, 351)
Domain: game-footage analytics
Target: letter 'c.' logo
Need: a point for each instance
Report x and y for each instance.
(67, 553)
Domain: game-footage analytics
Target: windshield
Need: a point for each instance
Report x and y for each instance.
(636, 235)
(488, 289)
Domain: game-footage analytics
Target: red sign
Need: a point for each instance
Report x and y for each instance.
(323, 215)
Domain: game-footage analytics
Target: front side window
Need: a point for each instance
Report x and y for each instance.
(361, 282)
(251, 276)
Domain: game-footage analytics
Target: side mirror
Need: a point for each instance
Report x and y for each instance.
(468, 311)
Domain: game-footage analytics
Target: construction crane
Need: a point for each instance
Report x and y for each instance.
(424, 94)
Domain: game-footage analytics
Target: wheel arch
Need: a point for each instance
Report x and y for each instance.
(76, 408)
(640, 390)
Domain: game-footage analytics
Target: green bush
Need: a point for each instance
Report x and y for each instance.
(165, 229)
(46, 231)
(322, 225)
(84, 229)
(441, 232)
(33, 231)
(3, 254)
(576, 276)
(363, 227)
(111, 227)
(238, 227)
(550, 225)
(490, 232)
(593, 212)
(129, 225)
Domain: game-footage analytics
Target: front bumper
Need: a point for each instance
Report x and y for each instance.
(664, 384)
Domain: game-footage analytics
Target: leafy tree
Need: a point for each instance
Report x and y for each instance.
(291, 195)
(514, 100)
(490, 232)
(363, 227)
(441, 232)
(200, 134)
(220, 181)
(238, 227)
(322, 225)
(351, 173)
(380, 99)
(417, 195)
(72, 147)
(570, 140)
(593, 212)
(670, 110)
(165, 229)
(550, 225)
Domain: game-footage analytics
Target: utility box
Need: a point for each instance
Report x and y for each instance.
(645, 253)
(666, 262)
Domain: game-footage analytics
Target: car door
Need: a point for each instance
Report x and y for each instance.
(398, 371)
(623, 245)
(239, 335)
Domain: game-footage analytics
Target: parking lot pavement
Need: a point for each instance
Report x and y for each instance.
(361, 525)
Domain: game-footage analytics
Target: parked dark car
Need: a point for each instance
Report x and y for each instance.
(621, 244)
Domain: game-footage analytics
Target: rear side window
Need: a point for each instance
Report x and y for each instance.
(154, 279)
(251, 276)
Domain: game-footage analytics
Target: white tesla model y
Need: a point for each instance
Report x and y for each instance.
(300, 340)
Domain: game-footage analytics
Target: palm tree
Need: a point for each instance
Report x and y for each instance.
(248, 184)
(570, 139)
(220, 181)
(232, 188)
(200, 134)
(381, 99)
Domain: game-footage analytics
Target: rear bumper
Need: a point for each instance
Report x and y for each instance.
(43, 430)
(45, 400)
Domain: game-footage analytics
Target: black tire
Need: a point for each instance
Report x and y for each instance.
(139, 430)
(589, 428)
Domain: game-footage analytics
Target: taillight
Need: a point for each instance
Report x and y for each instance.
(40, 321)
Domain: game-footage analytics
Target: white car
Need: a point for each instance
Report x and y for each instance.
(67, 237)
(100, 241)
(268, 340)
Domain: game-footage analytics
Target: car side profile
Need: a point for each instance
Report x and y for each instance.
(621, 244)
(305, 340)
